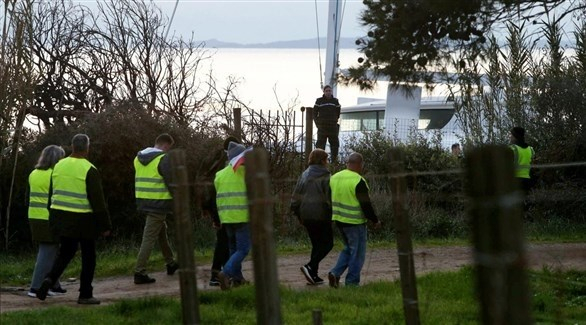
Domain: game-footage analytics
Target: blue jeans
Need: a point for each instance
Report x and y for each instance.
(239, 243)
(353, 255)
(45, 259)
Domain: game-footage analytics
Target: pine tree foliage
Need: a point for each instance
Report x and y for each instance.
(411, 41)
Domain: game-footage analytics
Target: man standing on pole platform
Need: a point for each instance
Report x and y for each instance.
(326, 113)
(351, 208)
(154, 199)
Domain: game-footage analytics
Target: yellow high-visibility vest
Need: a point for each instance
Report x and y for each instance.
(148, 183)
(39, 181)
(231, 198)
(345, 204)
(523, 157)
(69, 188)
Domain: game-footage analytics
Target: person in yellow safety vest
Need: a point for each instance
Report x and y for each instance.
(154, 199)
(209, 208)
(523, 155)
(78, 215)
(351, 208)
(39, 181)
(232, 206)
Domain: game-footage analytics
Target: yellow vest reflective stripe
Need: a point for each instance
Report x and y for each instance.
(69, 188)
(231, 198)
(522, 159)
(148, 183)
(39, 181)
(345, 205)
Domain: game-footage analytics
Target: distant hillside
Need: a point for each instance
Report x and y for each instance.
(345, 43)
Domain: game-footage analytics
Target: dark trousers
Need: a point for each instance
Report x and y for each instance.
(221, 250)
(330, 133)
(525, 185)
(67, 249)
(322, 241)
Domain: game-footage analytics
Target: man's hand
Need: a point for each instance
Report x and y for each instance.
(106, 233)
(216, 225)
(377, 225)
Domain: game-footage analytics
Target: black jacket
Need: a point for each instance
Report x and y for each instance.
(311, 199)
(326, 112)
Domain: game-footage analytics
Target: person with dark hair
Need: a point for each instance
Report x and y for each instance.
(221, 249)
(78, 215)
(155, 200)
(351, 208)
(457, 151)
(326, 113)
(311, 203)
(523, 154)
(232, 206)
(39, 182)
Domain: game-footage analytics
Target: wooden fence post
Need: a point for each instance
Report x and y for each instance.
(238, 123)
(496, 216)
(308, 131)
(317, 317)
(184, 239)
(264, 257)
(404, 244)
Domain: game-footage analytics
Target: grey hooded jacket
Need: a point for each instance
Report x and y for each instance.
(311, 199)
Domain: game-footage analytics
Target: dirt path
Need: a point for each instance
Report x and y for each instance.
(381, 264)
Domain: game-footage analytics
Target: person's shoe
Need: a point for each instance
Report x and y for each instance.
(214, 281)
(88, 301)
(44, 289)
(32, 293)
(307, 273)
(318, 280)
(172, 267)
(57, 291)
(225, 282)
(140, 278)
(333, 280)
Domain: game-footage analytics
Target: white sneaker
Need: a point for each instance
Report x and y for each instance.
(31, 294)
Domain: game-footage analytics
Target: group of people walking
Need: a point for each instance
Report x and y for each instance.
(67, 209)
(318, 199)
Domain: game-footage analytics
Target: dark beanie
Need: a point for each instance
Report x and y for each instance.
(518, 133)
(228, 140)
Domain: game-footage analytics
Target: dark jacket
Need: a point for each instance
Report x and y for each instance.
(311, 199)
(144, 157)
(83, 225)
(326, 112)
(208, 189)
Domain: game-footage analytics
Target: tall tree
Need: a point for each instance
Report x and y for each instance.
(410, 41)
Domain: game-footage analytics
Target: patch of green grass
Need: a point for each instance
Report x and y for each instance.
(444, 298)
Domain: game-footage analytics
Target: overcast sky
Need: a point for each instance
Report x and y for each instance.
(258, 21)
(263, 21)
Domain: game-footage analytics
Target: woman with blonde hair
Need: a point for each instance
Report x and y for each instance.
(38, 216)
